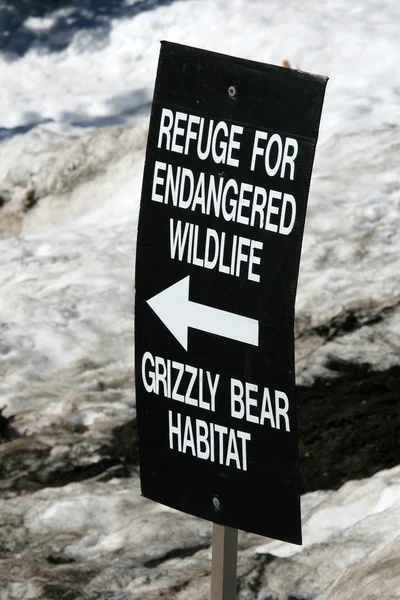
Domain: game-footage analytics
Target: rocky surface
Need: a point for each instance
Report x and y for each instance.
(73, 523)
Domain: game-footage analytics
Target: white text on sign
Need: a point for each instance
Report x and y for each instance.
(179, 132)
(197, 387)
(220, 196)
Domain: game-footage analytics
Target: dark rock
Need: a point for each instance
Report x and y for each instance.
(349, 427)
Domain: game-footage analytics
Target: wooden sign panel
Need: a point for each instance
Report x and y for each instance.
(228, 167)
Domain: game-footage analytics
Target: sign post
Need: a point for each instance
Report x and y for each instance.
(228, 166)
(224, 563)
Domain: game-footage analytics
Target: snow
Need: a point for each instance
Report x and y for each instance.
(342, 510)
(67, 264)
(111, 517)
(355, 171)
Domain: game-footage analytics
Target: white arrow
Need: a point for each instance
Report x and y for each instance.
(178, 313)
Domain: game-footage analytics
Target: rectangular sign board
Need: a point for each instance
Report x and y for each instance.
(227, 174)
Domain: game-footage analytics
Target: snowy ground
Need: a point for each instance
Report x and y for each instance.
(76, 87)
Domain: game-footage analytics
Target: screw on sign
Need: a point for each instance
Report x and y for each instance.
(228, 167)
(232, 91)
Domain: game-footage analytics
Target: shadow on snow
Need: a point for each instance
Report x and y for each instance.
(52, 24)
(124, 108)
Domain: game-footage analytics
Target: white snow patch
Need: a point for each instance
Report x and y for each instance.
(335, 512)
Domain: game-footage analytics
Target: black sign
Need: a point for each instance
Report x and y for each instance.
(227, 174)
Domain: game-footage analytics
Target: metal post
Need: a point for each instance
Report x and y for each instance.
(224, 563)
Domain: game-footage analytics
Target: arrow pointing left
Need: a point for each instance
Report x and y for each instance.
(178, 313)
